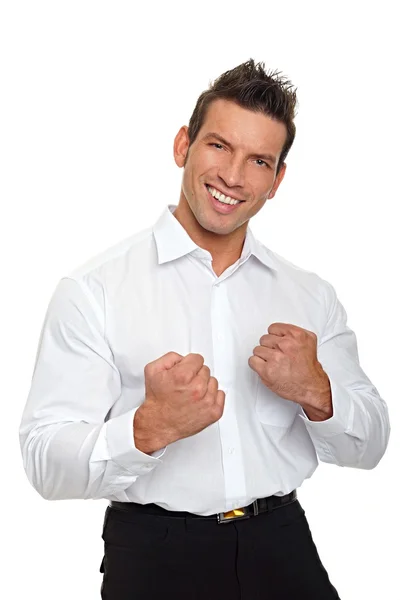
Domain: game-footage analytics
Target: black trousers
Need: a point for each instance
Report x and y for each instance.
(270, 556)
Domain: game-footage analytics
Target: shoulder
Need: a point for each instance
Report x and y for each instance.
(119, 252)
(299, 277)
(107, 270)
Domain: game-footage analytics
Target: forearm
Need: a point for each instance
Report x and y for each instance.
(147, 438)
(82, 460)
(318, 405)
(56, 459)
(357, 433)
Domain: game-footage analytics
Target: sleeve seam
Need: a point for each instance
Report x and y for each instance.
(91, 299)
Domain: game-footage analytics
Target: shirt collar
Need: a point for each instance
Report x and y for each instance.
(173, 241)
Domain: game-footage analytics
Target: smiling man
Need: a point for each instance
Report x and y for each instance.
(193, 377)
(231, 170)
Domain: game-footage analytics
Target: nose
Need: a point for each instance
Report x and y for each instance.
(232, 172)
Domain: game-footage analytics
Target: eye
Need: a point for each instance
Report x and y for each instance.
(259, 160)
(215, 144)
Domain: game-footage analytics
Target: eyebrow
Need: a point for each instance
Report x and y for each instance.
(218, 137)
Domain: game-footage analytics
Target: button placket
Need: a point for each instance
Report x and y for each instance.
(224, 365)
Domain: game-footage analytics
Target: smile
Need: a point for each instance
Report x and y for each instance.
(221, 197)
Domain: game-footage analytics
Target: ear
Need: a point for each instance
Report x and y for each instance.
(181, 146)
(277, 181)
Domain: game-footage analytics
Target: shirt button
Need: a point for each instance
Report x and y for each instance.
(231, 450)
(220, 337)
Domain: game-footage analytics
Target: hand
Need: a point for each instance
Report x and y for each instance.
(181, 397)
(287, 364)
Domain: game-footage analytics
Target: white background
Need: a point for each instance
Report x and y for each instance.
(92, 96)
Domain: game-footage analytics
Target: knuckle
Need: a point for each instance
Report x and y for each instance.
(216, 413)
(182, 377)
(197, 355)
(197, 391)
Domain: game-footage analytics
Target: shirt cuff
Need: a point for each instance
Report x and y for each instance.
(339, 422)
(121, 445)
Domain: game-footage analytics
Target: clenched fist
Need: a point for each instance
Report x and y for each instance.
(287, 363)
(181, 399)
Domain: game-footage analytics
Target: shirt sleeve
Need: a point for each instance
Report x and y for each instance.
(357, 434)
(69, 447)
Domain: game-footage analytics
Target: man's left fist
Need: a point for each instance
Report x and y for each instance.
(287, 364)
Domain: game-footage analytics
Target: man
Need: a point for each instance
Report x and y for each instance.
(193, 377)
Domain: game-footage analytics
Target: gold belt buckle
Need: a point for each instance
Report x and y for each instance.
(237, 514)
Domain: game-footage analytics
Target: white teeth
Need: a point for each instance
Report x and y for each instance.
(221, 197)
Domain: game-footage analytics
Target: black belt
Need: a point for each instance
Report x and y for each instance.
(258, 506)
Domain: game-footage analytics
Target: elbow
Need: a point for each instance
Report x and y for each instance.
(45, 469)
(35, 475)
(374, 452)
(36, 481)
(51, 487)
(374, 440)
(367, 463)
(356, 453)
(44, 491)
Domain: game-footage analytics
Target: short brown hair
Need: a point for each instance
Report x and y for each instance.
(251, 87)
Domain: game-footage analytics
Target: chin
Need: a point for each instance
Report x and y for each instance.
(218, 229)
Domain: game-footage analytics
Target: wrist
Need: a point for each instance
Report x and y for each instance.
(318, 406)
(146, 439)
(318, 414)
(317, 403)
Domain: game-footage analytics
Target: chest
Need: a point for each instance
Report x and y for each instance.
(187, 311)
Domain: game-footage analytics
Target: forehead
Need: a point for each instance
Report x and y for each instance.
(244, 128)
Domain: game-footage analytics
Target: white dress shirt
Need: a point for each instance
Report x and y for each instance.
(156, 292)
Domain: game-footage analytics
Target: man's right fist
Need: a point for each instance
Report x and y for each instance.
(181, 399)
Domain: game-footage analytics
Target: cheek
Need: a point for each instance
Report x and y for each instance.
(209, 163)
(259, 182)
(187, 184)
(266, 189)
(258, 205)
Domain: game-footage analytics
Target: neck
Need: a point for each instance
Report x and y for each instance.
(225, 249)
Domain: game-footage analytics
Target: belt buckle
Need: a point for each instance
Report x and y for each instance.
(237, 514)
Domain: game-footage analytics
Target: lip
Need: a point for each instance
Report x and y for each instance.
(224, 209)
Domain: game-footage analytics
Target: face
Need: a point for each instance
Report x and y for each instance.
(236, 153)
